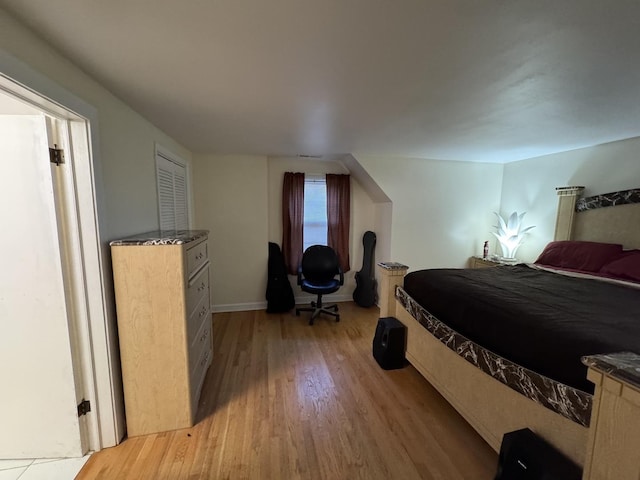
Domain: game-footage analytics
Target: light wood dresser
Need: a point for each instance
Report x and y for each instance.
(165, 327)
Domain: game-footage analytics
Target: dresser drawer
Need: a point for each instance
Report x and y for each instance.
(197, 377)
(196, 257)
(200, 313)
(197, 288)
(201, 342)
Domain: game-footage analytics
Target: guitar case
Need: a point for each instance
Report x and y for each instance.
(366, 292)
(279, 292)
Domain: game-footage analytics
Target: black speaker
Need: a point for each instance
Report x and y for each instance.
(389, 343)
(525, 456)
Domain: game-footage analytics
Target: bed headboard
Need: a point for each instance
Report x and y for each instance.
(611, 217)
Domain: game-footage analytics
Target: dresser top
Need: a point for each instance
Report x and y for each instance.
(392, 266)
(623, 366)
(161, 237)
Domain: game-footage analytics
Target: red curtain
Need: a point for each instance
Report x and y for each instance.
(339, 216)
(292, 220)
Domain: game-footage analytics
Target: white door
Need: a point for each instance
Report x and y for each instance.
(38, 400)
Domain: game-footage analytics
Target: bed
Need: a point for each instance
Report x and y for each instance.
(500, 389)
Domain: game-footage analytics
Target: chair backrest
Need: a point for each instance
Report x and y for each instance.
(320, 264)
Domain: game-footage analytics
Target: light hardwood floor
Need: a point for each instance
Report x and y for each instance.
(286, 400)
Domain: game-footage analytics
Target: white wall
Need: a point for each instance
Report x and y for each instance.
(230, 194)
(383, 221)
(382, 209)
(442, 211)
(529, 185)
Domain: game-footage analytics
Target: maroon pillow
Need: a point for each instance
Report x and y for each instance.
(626, 267)
(578, 255)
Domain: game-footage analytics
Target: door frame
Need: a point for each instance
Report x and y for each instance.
(98, 348)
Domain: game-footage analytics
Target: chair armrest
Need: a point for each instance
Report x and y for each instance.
(341, 275)
(300, 275)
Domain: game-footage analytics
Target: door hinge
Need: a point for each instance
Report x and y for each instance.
(56, 155)
(84, 407)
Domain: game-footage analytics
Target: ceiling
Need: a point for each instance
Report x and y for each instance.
(476, 80)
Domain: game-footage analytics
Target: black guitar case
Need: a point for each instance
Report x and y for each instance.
(279, 293)
(366, 292)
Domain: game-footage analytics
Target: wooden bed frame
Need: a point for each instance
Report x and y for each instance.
(494, 409)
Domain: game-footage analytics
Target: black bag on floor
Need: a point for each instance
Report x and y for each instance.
(526, 456)
(279, 293)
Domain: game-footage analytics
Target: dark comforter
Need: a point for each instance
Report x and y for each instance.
(541, 320)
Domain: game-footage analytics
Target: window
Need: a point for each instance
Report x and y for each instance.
(315, 212)
(172, 192)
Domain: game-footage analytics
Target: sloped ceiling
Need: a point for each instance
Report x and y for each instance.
(477, 80)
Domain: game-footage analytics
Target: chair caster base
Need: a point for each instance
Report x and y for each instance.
(318, 309)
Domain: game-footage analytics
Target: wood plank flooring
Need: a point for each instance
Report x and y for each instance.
(285, 400)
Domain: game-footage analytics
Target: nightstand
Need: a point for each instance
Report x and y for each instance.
(479, 262)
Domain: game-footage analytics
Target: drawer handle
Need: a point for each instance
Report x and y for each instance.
(201, 287)
(199, 256)
(204, 360)
(203, 312)
(204, 336)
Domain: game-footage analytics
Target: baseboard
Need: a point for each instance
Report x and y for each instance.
(238, 307)
(306, 299)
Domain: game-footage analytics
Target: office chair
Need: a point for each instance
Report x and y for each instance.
(316, 275)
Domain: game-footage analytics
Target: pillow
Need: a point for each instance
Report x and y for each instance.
(626, 267)
(578, 255)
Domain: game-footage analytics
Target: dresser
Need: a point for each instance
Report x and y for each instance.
(162, 293)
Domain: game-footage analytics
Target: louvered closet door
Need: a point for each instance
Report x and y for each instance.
(172, 194)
